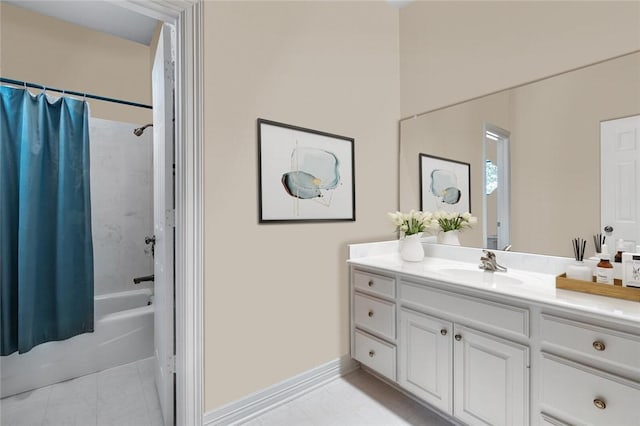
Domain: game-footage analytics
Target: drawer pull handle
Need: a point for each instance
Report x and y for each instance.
(599, 404)
(370, 314)
(372, 353)
(370, 283)
(443, 331)
(457, 337)
(598, 346)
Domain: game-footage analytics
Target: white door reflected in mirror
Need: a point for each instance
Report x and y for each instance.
(620, 180)
(496, 197)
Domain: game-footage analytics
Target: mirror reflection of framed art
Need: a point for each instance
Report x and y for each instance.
(444, 184)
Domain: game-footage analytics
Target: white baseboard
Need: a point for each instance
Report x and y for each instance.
(250, 406)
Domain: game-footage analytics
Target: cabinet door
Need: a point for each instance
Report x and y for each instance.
(425, 364)
(491, 379)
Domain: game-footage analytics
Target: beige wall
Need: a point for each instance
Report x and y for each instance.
(276, 296)
(454, 51)
(44, 50)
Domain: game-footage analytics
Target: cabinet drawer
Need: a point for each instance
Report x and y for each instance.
(583, 395)
(490, 314)
(375, 315)
(376, 354)
(374, 284)
(597, 343)
(546, 420)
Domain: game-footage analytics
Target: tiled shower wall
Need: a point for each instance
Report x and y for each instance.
(121, 204)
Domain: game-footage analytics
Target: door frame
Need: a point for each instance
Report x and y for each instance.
(187, 16)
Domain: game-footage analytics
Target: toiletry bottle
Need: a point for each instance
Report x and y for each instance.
(604, 270)
(619, 249)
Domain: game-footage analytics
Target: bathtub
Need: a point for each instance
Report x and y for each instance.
(123, 334)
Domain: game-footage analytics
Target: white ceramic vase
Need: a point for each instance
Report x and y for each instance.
(411, 249)
(449, 237)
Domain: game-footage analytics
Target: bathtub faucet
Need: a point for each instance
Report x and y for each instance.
(138, 280)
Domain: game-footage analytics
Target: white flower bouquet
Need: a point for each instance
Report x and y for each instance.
(454, 221)
(413, 222)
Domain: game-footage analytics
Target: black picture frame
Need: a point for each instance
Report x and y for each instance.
(304, 175)
(458, 173)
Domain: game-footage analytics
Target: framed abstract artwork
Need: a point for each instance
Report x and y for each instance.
(444, 184)
(304, 175)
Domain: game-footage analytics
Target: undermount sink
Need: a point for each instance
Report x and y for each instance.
(480, 276)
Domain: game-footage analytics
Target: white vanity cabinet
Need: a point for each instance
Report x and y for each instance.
(487, 353)
(475, 376)
(450, 350)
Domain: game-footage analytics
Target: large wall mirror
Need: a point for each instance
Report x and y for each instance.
(551, 129)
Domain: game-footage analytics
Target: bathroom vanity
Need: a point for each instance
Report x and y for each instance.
(494, 348)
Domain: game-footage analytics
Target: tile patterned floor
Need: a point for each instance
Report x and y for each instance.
(357, 399)
(122, 396)
(126, 396)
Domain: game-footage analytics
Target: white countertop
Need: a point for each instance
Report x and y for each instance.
(519, 283)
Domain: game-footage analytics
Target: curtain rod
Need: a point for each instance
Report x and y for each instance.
(71, 92)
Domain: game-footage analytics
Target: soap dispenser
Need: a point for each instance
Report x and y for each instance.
(604, 274)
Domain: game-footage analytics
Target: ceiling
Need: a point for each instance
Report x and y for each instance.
(103, 16)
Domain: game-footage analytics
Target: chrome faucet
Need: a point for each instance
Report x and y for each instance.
(488, 262)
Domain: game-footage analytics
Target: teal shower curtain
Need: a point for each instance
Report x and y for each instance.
(46, 262)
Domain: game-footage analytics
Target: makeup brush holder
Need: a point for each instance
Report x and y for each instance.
(579, 271)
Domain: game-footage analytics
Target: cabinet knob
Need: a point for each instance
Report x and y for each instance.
(443, 331)
(457, 337)
(370, 314)
(372, 353)
(600, 404)
(370, 283)
(598, 346)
